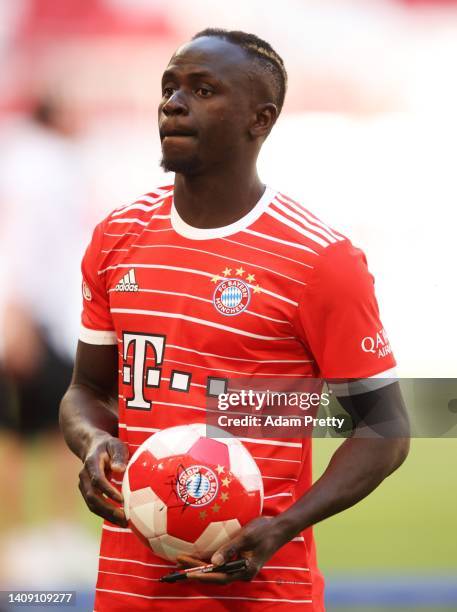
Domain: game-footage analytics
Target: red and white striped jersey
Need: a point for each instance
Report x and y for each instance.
(276, 294)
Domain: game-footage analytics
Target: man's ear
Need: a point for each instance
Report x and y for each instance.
(265, 116)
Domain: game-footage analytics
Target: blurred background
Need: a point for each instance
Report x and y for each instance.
(366, 141)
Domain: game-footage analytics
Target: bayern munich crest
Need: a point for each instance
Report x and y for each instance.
(231, 296)
(197, 486)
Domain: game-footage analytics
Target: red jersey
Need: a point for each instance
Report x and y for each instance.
(303, 306)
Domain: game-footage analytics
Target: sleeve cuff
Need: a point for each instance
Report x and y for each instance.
(364, 385)
(97, 336)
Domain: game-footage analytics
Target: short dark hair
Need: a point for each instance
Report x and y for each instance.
(261, 52)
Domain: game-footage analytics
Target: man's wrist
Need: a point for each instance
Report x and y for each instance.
(287, 525)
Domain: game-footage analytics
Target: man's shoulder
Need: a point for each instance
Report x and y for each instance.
(291, 221)
(140, 208)
(116, 231)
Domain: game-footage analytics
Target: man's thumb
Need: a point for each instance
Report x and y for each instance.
(118, 453)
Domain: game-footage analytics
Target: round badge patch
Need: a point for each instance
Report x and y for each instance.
(231, 297)
(197, 485)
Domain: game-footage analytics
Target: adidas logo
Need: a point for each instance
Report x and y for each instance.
(127, 282)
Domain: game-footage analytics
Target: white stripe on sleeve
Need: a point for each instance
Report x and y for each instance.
(97, 336)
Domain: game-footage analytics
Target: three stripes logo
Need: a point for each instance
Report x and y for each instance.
(127, 282)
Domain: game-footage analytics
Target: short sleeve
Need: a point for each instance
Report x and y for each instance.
(96, 322)
(339, 317)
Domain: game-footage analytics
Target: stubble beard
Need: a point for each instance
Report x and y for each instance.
(188, 166)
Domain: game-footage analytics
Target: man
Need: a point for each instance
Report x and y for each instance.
(151, 275)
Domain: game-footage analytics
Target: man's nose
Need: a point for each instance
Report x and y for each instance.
(175, 105)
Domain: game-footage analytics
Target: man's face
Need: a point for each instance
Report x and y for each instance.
(206, 106)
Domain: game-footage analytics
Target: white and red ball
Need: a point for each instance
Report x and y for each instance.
(185, 493)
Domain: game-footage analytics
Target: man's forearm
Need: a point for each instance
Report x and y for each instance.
(86, 415)
(355, 470)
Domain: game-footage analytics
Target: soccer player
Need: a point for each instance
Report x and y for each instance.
(159, 334)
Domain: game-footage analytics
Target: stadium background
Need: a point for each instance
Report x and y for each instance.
(366, 140)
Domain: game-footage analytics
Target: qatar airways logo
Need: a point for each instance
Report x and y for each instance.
(378, 344)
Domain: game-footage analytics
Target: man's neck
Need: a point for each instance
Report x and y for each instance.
(209, 201)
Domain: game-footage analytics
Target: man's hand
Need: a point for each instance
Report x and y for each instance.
(256, 543)
(107, 454)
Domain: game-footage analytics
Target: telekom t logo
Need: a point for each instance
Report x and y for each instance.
(150, 348)
(139, 375)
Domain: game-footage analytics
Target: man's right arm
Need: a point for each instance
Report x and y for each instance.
(89, 422)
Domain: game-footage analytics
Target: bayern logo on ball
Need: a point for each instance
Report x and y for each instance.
(197, 486)
(185, 493)
(231, 296)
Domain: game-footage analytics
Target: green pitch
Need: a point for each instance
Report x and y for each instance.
(407, 525)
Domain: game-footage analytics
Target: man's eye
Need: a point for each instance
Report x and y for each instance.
(204, 92)
(168, 92)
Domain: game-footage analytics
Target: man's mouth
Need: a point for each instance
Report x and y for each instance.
(176, 134)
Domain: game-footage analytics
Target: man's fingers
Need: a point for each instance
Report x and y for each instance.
(118, 453)
(212, 578)
(228, 552)
(95, 467)
(220, 577)
(97, 504)
(187, 561)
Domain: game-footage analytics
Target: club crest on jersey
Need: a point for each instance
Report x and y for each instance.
(232, 295)
(197, 485)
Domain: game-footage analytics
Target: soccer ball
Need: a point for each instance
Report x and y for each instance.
(185, 493)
